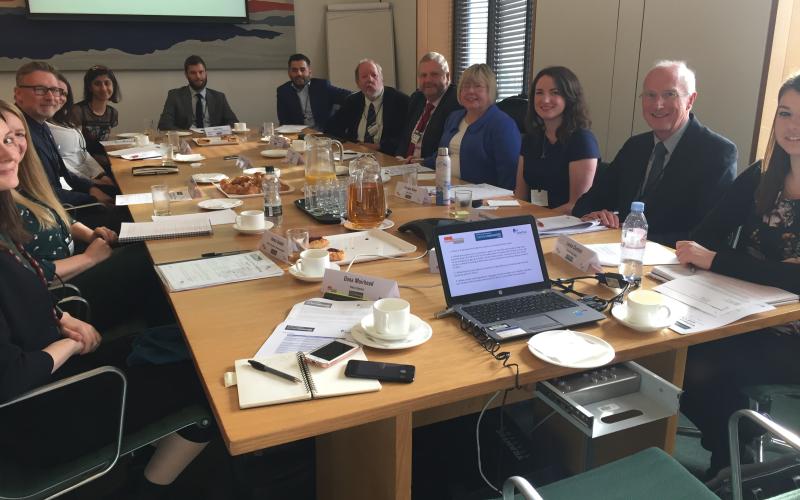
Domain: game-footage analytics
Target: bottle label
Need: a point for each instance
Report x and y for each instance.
(273, 210)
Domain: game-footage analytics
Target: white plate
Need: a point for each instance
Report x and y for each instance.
(240, 131)
(128, 135)
(215, 141)
(372, 244)
(315, 279)
(289, 189)
(255, 170)
(274, 153)
(267, 225)
(182, 133)
(386, 224)
(219, 203)
(420, 333)
(620, 312)
(209, 178)
(189, 158)
(571, 349)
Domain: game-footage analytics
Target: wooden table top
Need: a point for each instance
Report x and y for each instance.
(230, 322)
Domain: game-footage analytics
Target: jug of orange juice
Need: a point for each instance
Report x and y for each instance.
(320, 163)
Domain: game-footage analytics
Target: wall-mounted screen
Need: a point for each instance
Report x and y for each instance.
(172, 10)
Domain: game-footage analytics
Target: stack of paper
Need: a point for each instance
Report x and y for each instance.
(201, 273)
(654, 254)
(566, 224)
(141, 231)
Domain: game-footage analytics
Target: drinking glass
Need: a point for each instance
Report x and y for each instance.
(160, 194)
(461, 205)
(298, 241)
(267, 130)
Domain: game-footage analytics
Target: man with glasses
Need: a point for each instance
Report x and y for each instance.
(679, 169)
(38, 95)
(375, 115)
(195, 105)
(304, 100)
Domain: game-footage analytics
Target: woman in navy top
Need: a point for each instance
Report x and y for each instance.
(559, 154)
(482, 140)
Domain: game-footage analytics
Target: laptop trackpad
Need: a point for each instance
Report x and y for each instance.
(537, 323)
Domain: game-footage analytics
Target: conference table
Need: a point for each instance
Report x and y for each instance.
(364, 441)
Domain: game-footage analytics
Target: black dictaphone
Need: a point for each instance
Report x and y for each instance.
(385, 372)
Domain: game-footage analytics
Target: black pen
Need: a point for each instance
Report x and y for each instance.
(221, 254)
(264, 368)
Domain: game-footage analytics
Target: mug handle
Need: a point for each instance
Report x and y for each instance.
(664, 307)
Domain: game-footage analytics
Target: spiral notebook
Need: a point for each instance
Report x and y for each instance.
(140, 231)
(257, 388)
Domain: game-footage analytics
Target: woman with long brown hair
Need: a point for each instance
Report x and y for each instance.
(764, 202)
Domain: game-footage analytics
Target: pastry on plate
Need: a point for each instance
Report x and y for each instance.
(335, 254)
(318, 242)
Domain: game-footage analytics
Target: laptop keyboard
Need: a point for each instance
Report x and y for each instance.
(525, 305)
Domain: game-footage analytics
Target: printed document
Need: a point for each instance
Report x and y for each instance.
(654, 254)
(201, 273)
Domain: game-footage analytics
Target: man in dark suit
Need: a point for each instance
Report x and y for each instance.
(434, 99)
(679, 170)
(195, 104)
(375, 115)
(304, 100)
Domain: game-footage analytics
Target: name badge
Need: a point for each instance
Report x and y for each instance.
(416, 136)
(217, 131)
(539, 197)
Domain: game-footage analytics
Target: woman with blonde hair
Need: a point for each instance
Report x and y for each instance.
(483, 141)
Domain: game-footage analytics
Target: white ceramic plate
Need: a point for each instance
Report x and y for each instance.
(255, 170)
(128, 135)
(571, 349)
(214, 141)
(240, 131)
(420, 333)
(189, 158)
(182, 133)
(255, 195)
(620, 312)
(372, 244)
(386, 224)
(275, 153)
(267, 225)
(209, 178)
(314, 279)
(219, 203)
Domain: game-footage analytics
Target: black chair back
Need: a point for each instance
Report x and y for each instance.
(517, 108)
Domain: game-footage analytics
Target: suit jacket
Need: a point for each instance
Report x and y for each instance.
(344, 124)
(323, 97)
(699, 170)
(178, 110)
(433, 131)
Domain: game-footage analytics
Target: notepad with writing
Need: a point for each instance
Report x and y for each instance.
(257, 388)
(140, 231)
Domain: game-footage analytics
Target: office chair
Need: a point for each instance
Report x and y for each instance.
(68, 297)
(517, 108)
(21, 480)
(650, 474)
(779, 402)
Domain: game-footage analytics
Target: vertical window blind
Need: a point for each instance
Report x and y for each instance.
(498, 33)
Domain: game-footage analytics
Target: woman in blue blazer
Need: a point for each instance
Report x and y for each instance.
(483, 141)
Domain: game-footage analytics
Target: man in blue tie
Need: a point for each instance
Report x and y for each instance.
(679, 169)
(375, 116)
(304, 100)
(195, 105)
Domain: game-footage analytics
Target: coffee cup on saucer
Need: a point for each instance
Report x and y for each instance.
(141, 140)
(313, 262)
(250, 220)
(646, 307)
(240, 126)
(392, 318)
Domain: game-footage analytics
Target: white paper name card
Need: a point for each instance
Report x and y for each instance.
(294, 158)
(217, 131)
(359, 286)
(415, 194)
(275, 246)
(578, 255)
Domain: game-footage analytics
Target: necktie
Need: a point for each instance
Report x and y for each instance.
(657, 168)
(198, 111)
(370, 122)
(420, 128)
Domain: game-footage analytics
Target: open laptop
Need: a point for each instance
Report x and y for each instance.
(494, 277)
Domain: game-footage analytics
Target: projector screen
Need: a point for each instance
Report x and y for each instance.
(223, 10)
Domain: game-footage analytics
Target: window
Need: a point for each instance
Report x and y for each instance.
(496, 32)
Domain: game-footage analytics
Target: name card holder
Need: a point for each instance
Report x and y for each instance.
(358, 286)
(415, 194)
(578, 255)
(275, 246)
(218, 131)
(294, 158)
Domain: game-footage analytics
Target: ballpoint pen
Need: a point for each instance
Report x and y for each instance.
(221, 254)
(264, 368)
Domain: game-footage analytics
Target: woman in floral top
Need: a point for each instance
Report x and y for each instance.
(765, 203)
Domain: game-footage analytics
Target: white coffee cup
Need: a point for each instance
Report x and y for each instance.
(250, 219)
(142, 140)
(299, 145)
(240, 126)
(646, 307)
(313, 262)
(392, 318)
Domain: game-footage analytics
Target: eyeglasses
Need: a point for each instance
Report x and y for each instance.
(42, 90)
(666, 96)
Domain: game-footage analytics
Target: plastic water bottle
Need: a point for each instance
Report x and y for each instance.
(273, 209)
(443, 177)
(634, 239)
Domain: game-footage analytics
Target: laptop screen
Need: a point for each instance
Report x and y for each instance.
(489, 258)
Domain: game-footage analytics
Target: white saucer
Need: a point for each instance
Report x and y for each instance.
(620, 312)
(255, 170)
(189, 158)
(571, 349)
(209, 178)
(302, 277)
(275, 153)
(386, 224)
(240, 131)
(128, 135)
(267, 225)
(183, 133)
(219, 203)
(363, 333)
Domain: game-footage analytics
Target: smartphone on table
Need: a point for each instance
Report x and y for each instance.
(385, 372)
(332, 353)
